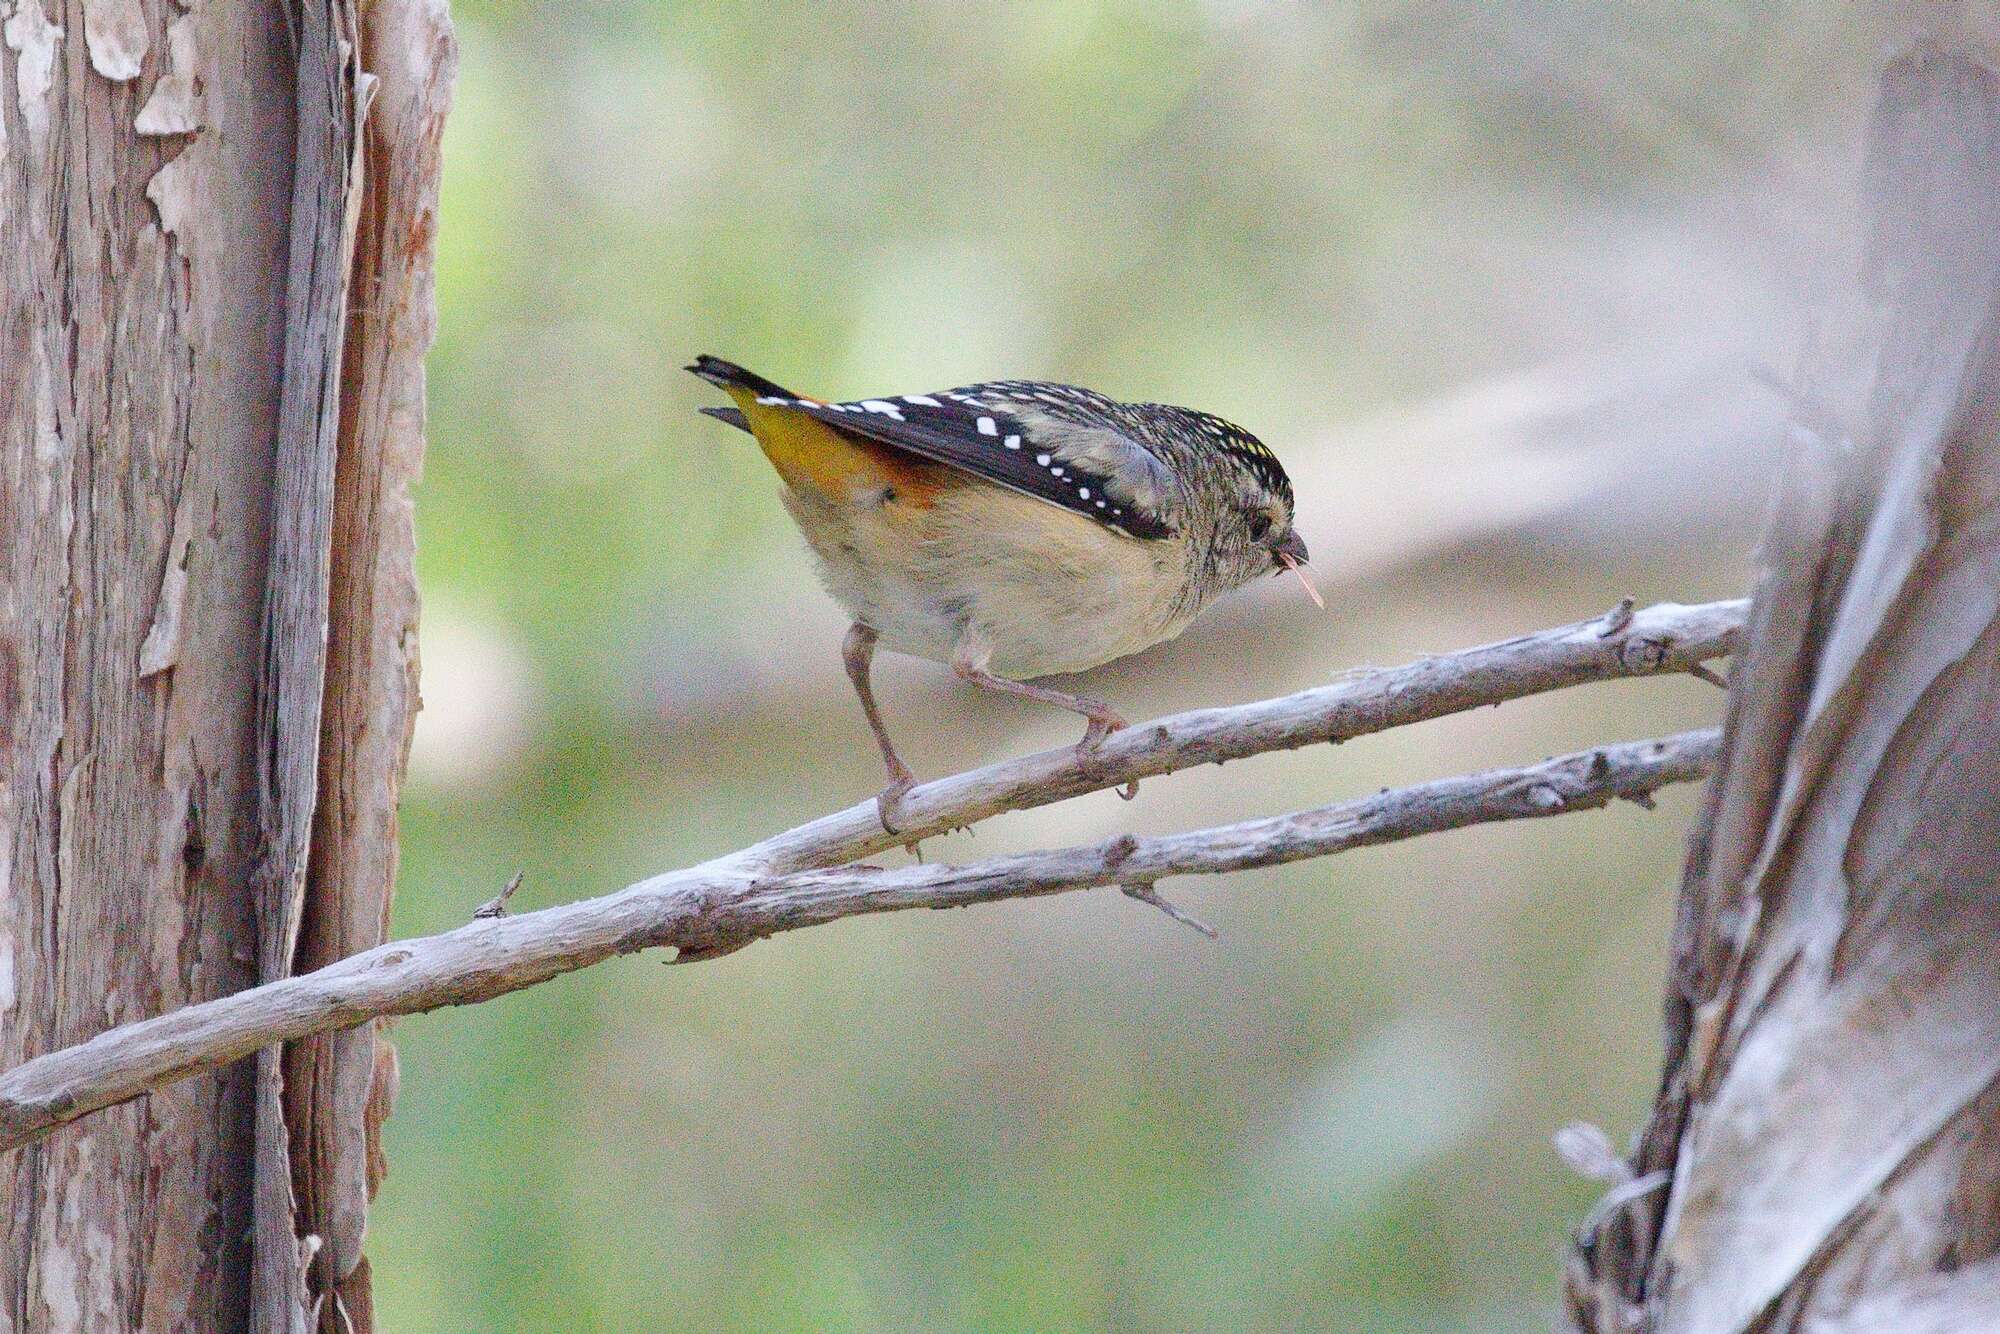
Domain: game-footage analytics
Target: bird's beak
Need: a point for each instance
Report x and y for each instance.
(1291, 555)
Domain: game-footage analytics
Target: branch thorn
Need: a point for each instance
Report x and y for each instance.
(497, 905)
(1145, 893)
(1617, 618)
(1700, 671)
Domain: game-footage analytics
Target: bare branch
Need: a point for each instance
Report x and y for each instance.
(1664, 638)
(1145, 893)
(713, 910)
(780, 883)
(1582, 781)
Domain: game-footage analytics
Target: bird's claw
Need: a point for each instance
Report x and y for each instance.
(1101, 726)
(889, 801)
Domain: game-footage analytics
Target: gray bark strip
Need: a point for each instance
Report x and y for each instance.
(338, 1087)
(1828, 1113)
(1966, 1301)
(292, 686)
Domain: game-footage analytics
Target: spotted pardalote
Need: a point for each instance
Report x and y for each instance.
(1016, 528)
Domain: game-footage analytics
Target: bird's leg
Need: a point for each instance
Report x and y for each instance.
(857, 652)
(970, 664)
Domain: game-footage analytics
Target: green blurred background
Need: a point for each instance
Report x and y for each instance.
(1493, 278)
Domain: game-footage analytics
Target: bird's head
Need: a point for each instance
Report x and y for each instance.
(1238, 501)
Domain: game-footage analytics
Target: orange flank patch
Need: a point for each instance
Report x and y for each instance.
(811, 455)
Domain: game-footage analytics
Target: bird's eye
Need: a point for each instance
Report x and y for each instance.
(1260, 527)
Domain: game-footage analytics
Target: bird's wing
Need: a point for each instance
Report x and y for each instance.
(1045, 441)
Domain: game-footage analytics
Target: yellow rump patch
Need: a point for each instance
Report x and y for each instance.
(811, 455)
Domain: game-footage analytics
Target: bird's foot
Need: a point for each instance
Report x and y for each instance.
(1102, 725)
(889, 801)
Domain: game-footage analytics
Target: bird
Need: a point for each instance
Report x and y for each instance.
(1014, 529)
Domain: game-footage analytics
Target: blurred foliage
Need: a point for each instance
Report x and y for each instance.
(1064, 1114)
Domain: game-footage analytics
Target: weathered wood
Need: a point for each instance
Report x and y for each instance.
(712, 910)
(1667, 638)
(1822, 1140)
(180, 196)
(139, 335)
(330, 99)
(339, 1087)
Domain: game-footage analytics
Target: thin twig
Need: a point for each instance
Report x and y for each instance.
(713, 910)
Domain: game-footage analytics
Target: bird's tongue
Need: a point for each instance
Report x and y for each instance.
(1298, 568)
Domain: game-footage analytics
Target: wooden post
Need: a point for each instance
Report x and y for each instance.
(210, 414)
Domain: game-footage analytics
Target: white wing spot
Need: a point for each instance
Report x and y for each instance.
(879, 406)
(1055, 472)
(986, 426)
(1042, 459)
(1083, 491)
(1100, 504)
(924, 399)
(1012, 442)
(769, 400)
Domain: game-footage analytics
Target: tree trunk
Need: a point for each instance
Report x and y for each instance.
(214, 301)
(1821, 1154)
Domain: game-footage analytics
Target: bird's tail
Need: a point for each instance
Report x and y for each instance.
(734, 416)
(742, 385)
(728, 375)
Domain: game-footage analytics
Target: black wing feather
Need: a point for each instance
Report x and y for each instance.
(974, 430)
(978, 435)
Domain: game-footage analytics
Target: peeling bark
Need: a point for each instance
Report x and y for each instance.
(123, 792)
(1823, 1136)
(161, 655)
